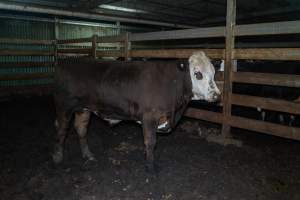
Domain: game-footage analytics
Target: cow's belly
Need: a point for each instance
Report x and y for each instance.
(163, 127)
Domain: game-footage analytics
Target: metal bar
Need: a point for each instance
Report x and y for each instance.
(268, 54)
(267, 79)
(227, 89)
(52, 11)
(265, 127)
(179, 34)
(266, 103)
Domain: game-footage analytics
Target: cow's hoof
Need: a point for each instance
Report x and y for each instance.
(152, 169)
(89, 157)
(57, 157)
(89, 164)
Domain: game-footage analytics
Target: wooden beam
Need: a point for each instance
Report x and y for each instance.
(266, 103)
(126, 46)
(25, 53)
(268, 54)
(73, 41)
(27, 76)
(179, 34)
(219, 76)
(110, 54)
(274, 28)
(176, 53)
(75, 51)
(111, 39)
(25, 64)
(94, 46)
(26, 41)
(44, 89)
(230, 41)
(204, 115)
(265, 127)
(267, 79)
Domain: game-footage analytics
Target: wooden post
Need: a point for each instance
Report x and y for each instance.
(127, 46)
(227, 91)
(55, 43)
(94, 46)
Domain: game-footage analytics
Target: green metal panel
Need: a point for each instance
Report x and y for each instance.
(42, 30)
(22, 29)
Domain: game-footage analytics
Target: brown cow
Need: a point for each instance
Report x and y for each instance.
(154, 93)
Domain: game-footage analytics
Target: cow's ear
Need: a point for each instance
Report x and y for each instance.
(182, 65)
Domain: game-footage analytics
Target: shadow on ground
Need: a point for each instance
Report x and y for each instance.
(190, 167)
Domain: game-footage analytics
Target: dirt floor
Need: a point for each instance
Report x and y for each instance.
(189, 166)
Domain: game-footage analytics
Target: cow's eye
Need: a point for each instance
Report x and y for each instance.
(198, 75)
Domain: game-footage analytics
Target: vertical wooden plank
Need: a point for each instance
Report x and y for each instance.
(127, 46)
(94, 46)
(56, 39)
(227, 90)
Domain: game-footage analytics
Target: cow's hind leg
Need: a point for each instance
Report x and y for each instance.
(61, 123)
(149, 131)
(81, 125)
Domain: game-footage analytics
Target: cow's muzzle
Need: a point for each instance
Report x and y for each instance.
(215, 97)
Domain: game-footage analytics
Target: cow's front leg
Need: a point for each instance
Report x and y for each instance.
(149, 131)
(81, 125)
(61, 125)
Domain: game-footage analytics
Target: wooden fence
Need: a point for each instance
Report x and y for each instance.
(21, 65)
(230, 54)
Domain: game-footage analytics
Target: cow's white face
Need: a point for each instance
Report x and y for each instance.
(202, 75)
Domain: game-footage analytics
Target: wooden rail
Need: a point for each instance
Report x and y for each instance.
(267, 79)
(74, 51)
(30, 89)
(73, 41)
(26, 76)
(25, 64)
(265, 127)
(26, 41)
(266, 103)
(176, 53)
(4, 52)
(230, 54)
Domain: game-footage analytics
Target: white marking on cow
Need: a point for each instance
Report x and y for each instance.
(222, 66)
(202, 74)
(112, 122)
(56, 124)
(163, 125)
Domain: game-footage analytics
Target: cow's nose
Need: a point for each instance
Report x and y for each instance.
(216, 97)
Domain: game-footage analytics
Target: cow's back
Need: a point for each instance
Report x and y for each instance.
(124, 89)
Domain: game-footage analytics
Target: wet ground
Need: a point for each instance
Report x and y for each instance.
(189, 166)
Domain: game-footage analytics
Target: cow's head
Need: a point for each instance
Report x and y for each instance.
(202, 75)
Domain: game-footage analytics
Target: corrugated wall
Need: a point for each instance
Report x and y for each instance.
(43, 30)
(23, 29)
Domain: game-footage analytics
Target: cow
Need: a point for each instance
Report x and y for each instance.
(154, 93)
